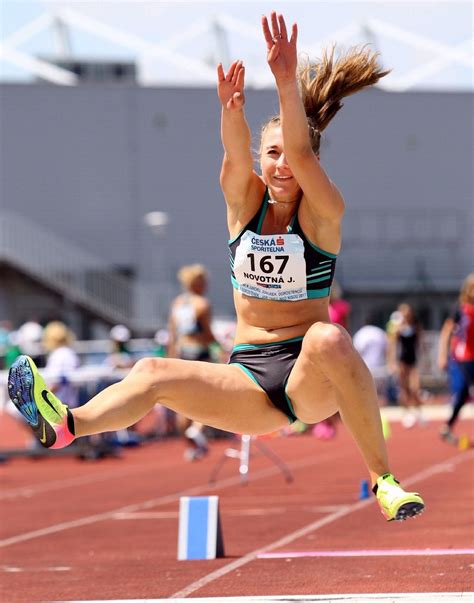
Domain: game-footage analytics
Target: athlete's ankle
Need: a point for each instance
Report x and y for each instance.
(65, 432)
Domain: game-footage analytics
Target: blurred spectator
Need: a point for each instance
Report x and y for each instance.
(405, 337)
(393, 391)
(372, 343)
(339, 309)
(120, 355)
(162, 340)
(456, 348)
(165, 418)
(61, 362)
(190, 336)
(30, 335)
(12, 349)
(5, 329)
(9, 348)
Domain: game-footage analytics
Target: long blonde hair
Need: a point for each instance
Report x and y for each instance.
(56, 335)
(187, 275)
(326, 82)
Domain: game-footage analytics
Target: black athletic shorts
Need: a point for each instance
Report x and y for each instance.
(269, 365)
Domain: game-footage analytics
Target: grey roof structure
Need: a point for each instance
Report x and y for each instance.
(428, 44)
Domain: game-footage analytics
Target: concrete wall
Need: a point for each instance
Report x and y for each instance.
(89, 162)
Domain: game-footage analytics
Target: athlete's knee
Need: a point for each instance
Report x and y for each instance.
(150, 370)
(327, 340)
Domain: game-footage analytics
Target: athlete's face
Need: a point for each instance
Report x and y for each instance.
(275, 170)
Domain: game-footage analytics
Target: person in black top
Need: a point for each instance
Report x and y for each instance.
(405, 340)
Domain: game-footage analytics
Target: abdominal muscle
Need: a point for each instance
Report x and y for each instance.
(267, 321)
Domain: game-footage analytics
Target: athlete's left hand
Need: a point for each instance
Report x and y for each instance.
(281, 52)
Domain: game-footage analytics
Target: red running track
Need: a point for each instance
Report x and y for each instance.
(72, 530)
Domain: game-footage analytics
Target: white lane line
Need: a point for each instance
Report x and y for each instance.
(225, 513)
(9, 569)
(368, 553)
(162, 500)
(146, 515)
(312, 527)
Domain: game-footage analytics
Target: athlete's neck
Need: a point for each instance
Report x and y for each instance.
(279, 217)
(273, 202)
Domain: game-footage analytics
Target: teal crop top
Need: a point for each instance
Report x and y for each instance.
(280, 267)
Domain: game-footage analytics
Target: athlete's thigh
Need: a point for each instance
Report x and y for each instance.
(219, 395)
(311, 393)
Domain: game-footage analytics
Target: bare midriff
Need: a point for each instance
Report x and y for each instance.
(266, 321)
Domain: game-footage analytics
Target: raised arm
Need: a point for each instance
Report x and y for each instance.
(237, 175)
(324, 200)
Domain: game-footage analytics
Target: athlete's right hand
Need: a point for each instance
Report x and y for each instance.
(230, 86)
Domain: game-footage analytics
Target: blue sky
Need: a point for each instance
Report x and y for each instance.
(445, 22)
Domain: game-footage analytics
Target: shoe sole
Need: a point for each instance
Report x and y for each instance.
(21, 383)
(411, 509)
(20, 389)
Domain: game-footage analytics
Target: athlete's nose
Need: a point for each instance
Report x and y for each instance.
(282, 164)
(282, 161)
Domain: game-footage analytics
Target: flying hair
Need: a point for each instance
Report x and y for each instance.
(324, 83)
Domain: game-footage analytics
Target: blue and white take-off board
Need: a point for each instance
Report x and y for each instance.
(200, 534)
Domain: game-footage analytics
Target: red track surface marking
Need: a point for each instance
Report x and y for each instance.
(379, 553)
(61, 484)
(312, 527)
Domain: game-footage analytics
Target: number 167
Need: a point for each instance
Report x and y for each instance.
(266, 265)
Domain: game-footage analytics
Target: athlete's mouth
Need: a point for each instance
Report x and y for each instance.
(282, 177)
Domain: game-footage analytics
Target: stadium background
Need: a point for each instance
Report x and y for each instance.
(84, 165)
(109, 164)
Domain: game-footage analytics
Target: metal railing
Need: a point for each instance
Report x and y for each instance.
(70, 270)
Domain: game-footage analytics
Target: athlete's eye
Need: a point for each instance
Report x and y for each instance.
(272, 152)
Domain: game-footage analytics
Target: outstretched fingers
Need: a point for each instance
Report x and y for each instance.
(275, 26)
(278, 32)
(237, 72)
(294, 34)
(282, 25)
(267, 33)
(231, 72)
(240, 77)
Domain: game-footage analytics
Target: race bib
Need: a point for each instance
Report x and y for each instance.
(271, 266)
